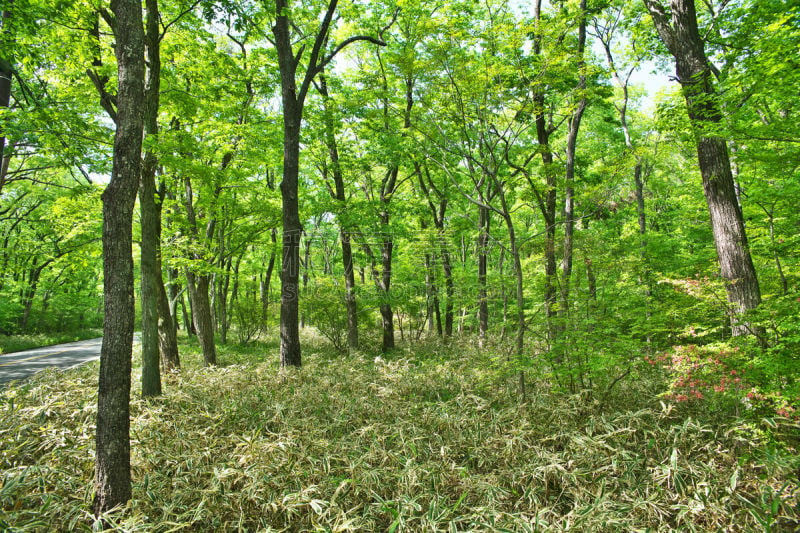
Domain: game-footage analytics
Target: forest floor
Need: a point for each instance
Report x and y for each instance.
(429, 438)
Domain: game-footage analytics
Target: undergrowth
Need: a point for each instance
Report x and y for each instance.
(434, 440)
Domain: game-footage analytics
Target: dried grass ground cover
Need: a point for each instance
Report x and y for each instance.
(427, 441)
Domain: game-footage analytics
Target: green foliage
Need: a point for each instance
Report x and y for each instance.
(323, 307)
(17, 343)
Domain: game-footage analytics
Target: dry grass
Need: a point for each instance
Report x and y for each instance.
(429, 441)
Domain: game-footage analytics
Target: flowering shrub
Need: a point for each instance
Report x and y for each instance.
(699, 371)
(774, 402)
(719, 371)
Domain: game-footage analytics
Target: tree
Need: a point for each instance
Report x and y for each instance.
(679, 31)
(293, 100)
(151, 273)
(338, 193)
(5, 80)
(112, 466)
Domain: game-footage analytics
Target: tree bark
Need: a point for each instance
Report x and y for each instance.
(112, 466)
(266, 281)
(569, 202)
(167, 316)
(290, 352)
(198, 285)
(679, 32)
(6, 72)
(150, 212)
(483, 303)
(512, 242)
(548, 206)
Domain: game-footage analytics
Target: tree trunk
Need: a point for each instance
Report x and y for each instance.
(693, 70)
(292, 231)
(290, 353)
(512, 242)
(449, 290)
(112, 467)
(349, 291)
(267, 281)
(167, 331)
(483, 303)
(387, 247)
(167, 317)
(569, 202)
(548, 206)
(306, 271)
(151, 376)
(6, 39)
(198, 285)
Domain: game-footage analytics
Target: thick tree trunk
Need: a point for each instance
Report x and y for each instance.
(290, 352)
(112, 465)
(292, 231)
(682, 38)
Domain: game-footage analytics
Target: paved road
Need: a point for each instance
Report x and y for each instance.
(21, 365)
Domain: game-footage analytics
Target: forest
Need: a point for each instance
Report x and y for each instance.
(398, 265)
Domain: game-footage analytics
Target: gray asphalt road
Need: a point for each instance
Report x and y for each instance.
(21, 365)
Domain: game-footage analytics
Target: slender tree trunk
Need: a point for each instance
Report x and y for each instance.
(198, 285)
(548, 206)
(349, 291)
(112, 464)
(167, 332)
(167, 318)
(512, 242)
(682, 38)
(387, 246)
(28, 295)
(449, 290)
(483, 244)
(344, 235)
(307, 266)
(267, 281)
(151, 275)
(6, 40)
(569, 202)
